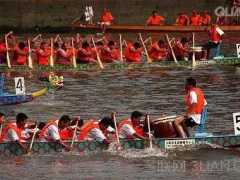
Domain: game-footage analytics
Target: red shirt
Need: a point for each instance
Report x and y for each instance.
(155, 20)
(132, 54)
(195, 20)
(205, 20)
(21, 55)
(109, 55)
(107, 17)
(182, 20)
(43, 56)
(157, 53)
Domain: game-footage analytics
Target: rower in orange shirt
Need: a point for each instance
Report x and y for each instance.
(181, 49)
(106, 18)
(133, 52)
(110, 53)
(205, 19)
(195, 19)
(20, 54)
(155, 19)
(43, 54)
(182, 19)
(158, 51)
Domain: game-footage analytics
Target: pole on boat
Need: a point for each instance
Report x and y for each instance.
(33, 137)
(171, 48)
(74, 135)
(7, 52)
(149, 132)
(98, 57)
(30, 61)
(121, 48)
(149, 60)
(116, 128)
(74, 61)
(51, 55)
(193, 48)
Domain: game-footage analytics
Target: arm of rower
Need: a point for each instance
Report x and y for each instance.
(22, 145)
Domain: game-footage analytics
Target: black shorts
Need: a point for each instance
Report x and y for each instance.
(189, 122)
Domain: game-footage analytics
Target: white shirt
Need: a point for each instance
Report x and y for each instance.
(11, 136)
(96, 135)
(52, 133)
(193, 100)
(126, 131)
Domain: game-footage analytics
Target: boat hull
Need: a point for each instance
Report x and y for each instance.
(93, 146)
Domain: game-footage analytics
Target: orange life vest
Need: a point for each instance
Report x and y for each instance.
(195, 20)
(182, 20)
(66, 134)
(107, 17)
(21, 58)
(196, 109)
(14, 127)
(139, 130)
(86, 128)
(42, 134)
(205, 20)
(155, 53)
(132, 56)
(155, 20)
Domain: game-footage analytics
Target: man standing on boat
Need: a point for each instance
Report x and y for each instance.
(13, 131)
(195, 103)
(51, 131)
(215, 41)
(131, 128)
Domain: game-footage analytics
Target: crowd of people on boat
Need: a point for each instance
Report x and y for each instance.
(183, 19)
(105, 130)
(90, 49)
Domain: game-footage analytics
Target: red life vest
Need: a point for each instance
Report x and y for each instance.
(66, 134)
(21, 58)
(196, 109)
(214, 35)
(139, 130)
(14, 127)
(195, 20)
(43, 132)
(42, 56)
(155, 20)
(86, 128)
(107, 17)
(132, 56)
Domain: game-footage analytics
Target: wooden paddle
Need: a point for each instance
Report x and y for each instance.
(121, 48)
(149, 132)
(172, 51)
(30, 61)
(98, 57)
(74, 61)
(51, 59)
(7, 53)
(149, 60)
(116, 128)
(33, 137)
(74, 135)
(193, 55)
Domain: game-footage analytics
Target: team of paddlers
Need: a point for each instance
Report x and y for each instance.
(88, 49)
(105, 130)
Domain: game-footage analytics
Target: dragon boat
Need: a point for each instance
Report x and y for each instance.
(7, 98)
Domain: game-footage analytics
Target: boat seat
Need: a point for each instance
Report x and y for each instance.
(200, 131)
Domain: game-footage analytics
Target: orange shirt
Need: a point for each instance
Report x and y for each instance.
(206, 20)
(195, 20)
(157, 53)
(21, 55)
(182, 20)
(109, 55)
(133, 55)
(107, 17)
(155, 20)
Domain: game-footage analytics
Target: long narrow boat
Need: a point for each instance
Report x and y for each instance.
(93, 146)
(154, 29)
(232, 61)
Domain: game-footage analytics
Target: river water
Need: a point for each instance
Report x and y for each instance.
(152, 89)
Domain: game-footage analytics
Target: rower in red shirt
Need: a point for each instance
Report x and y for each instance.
(21, 54)
(106, 18)
(43, 54)
(85, 54)
(133, 52)
(63, 54)
(110, 53)
(158, 51)
(181, 49)
(205, 19)
(195, 19)
(182, 19)
(155, 19)
(3, 51)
